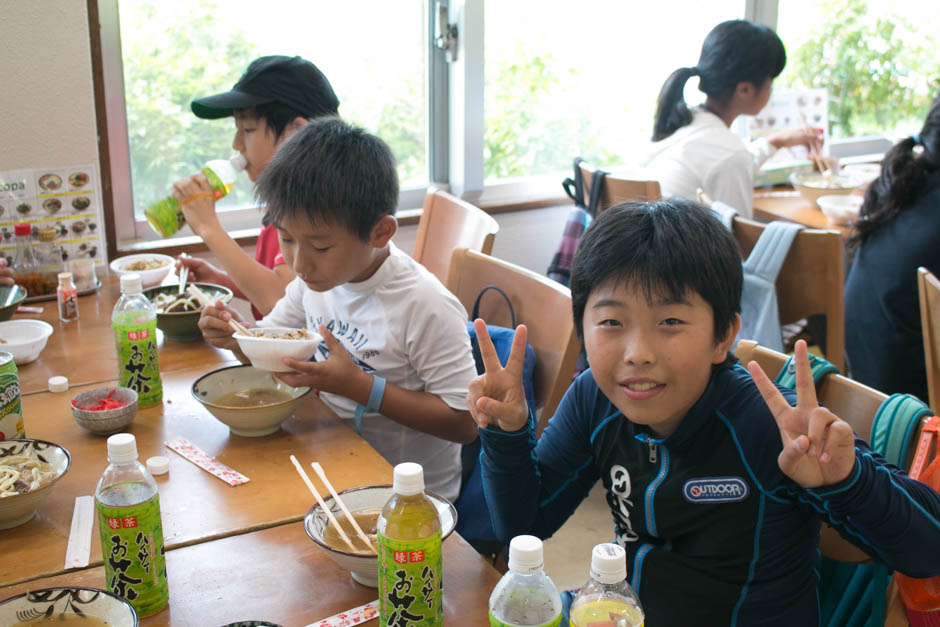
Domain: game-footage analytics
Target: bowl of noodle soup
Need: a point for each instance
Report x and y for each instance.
(178, 314)
(28, 471)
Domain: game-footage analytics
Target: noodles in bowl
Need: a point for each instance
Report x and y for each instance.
(29, 471)
(267, 347)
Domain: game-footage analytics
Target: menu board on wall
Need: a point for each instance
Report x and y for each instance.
(792, 110)
(67, 198)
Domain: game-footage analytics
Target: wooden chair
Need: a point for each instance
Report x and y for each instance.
(929, 288)
(448, 223)
(810, 281)
(618, 189)
(543, 305)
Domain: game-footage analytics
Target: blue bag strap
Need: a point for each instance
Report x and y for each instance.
(475, 313)
(771, 250)
(894, 426)
(820, 367)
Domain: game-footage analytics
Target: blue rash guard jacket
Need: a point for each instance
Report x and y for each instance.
(715, 533)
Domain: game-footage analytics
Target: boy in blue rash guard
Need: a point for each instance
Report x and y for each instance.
(717, 480)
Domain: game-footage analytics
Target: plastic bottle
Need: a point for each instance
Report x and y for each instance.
(25, 264)
(525, 595)
(135, 335)
(49, 257)
(128, 507)
(409, 539)
(67, 297)
(607, 600)
(166, 217)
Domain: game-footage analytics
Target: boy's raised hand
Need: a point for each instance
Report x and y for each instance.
(337, 374)
(818, 447)
(497, 396)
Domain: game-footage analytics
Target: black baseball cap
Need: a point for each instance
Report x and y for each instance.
(292, 81)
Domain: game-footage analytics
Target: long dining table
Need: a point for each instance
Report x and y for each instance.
(785, 203)
(233, 553)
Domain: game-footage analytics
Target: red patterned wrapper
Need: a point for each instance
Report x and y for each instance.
(210, 464)
(355, 616)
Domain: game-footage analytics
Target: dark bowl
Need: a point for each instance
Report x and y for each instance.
(11, 296)
(184, 326)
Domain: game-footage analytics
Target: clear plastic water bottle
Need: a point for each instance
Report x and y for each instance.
(166, 216)
(525, 596)
(135, 335)
(607, 599)
(128, 508)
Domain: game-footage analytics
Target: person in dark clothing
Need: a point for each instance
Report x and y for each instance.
(717, 480)
(898, 230)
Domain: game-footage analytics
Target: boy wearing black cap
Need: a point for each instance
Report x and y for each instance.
(275, 96)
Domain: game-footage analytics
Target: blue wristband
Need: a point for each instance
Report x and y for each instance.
(373, 404)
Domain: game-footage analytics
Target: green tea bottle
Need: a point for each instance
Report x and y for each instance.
(135, 335)
(409, 539)
(128, 507)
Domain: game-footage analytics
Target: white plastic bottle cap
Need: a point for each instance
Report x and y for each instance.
(158, 465)
(609, 563)
(408, 479)
(130, 283)
(58, 384)
(238, 161)
(122, 447)
(525, 555)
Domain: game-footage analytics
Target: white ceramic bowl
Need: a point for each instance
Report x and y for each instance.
(365, 568)
(24, 339)
(107, 421)
(246, 421)
(840, 209)
(63, 603)
(267, 353)
(148, 278)
(20, 508)
(812, 185)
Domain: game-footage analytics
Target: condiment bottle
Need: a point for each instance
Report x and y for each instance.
(67, 296)
(135, 335)
(607, 599)
(409, 539)
(166, 216)
(128, 507)
(25, 264)
(49, 256)
(525, 595)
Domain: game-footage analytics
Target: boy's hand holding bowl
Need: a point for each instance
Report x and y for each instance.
(338, 374)
(497, 397)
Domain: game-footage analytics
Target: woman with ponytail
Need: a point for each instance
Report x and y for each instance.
(898, 230)
(694, 147)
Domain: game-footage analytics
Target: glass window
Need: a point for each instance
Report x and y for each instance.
(373, 52)
(566, 79)
(880, 61)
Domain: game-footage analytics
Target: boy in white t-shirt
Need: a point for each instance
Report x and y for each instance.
(396, 358)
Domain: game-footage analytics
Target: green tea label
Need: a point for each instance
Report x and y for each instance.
(11, 409)
(410, 584)
(494, 622)
(165, 216)
(132, 548)
(138, 364)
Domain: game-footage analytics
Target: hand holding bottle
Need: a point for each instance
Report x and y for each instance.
(197, 203)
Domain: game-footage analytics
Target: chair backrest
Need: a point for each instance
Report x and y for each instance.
(543, 305)
(929, 288)
(619, 189)
(810, 281)
(448, 223)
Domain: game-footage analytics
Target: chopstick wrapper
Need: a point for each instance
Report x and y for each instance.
(83, 520)
(196, 455)
(355, 616)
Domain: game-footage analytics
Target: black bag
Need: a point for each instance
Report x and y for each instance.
(578, 221)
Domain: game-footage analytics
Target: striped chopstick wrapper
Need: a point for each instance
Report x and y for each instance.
(355, 616)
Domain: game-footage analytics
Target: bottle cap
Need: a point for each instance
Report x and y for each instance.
(609, 563)
(158, 465)
(22, 229)
(525, 555)
(122, 447)
(130, 283)
(238, 161)
(65, 276)
(408, 479)
(58, 384)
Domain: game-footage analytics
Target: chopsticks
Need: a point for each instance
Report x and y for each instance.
(813, 149)
(198, 294)
(239, 327)
(329, 514)
(184, 274)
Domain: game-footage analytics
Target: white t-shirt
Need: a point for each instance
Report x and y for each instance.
(402, 324)
(706, 154)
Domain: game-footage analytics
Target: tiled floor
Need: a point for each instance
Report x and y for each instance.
(568, 552)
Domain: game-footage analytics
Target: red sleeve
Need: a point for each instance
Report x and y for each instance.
(268, 249)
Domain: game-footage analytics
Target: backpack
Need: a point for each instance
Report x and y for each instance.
(577, 223)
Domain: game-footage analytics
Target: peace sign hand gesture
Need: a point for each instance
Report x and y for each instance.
(496, 396)
(818, 447)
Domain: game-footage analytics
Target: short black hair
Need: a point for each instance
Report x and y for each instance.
(276, 115)
(333, 172)
(666, 248)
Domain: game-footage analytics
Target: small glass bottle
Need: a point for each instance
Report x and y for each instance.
(25, 264)
(128, 508)
(525, 595)
(135, 336)
(49, 256)
(67, 296)
(607, 596)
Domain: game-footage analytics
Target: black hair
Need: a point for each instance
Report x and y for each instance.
(734, 52)
(904, 172)
(278, 115)
(333, 172)
(665, 248)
